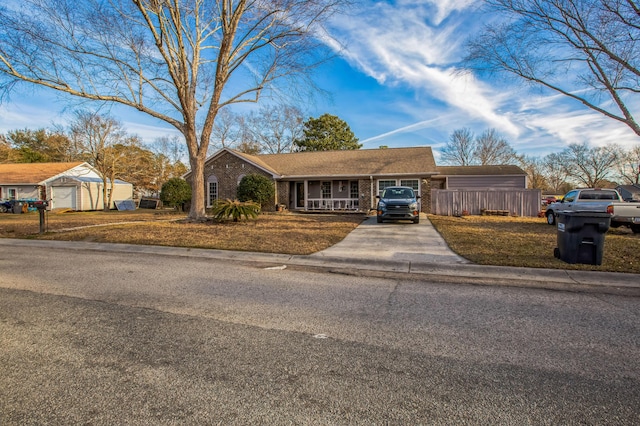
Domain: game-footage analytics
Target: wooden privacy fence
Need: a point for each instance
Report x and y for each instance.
(453, 202)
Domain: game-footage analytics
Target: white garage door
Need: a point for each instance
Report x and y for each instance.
(63, 197)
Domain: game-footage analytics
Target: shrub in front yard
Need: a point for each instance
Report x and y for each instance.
(256, 188)
(175, 192)
(236, 210)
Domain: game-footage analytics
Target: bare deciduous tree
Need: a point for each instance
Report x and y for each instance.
(180, 62)
(629, 166)
(463, 149)
(459, 149)
(588, 50)
(491, 148)
(103, 143)
(167, 162)
(554, 173)
(274, 128)
(227, 130)
(588, 166)
(534, 169)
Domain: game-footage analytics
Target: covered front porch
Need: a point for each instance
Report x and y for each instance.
(325, 195)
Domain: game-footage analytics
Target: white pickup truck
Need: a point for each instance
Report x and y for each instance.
(600, 201)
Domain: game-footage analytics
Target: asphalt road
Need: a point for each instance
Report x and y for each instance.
(109, 338)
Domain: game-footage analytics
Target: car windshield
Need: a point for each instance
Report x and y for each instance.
(397, 193)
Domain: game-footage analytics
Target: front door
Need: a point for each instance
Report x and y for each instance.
(300, 195)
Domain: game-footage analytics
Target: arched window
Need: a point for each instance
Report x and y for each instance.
(240, 178)
(212, 190)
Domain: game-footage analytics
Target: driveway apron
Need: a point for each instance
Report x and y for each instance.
(400, 241)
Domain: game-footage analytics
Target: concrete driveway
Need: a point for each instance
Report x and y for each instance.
(400, 241)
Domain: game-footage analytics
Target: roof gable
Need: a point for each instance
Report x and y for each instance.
(37, 173)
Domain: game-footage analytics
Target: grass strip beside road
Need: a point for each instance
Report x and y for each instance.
(529, 242)
(487, 240)
(270, 233)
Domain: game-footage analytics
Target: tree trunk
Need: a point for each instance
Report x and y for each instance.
(110, 190)
(105, 206)
(198, 188)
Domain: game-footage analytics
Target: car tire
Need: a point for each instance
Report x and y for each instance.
(551, 218)
(416, 220)
(3, 209)
(379, 219)
(635, 229)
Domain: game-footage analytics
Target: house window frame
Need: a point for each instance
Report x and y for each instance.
(411, 183)
(354, 189)
(12, 193)
(326, 189)
(212, 190)
(385, 183)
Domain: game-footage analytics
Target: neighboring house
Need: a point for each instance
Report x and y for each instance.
(347, 180)
(629, 192)
(477, 189)
(479, 177)
(76, 186)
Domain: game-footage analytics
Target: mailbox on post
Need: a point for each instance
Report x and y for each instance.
(42, 207)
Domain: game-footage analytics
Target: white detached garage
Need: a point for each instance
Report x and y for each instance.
(85, 192)
(75, 186)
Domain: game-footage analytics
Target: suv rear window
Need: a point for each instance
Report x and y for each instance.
(598, 195)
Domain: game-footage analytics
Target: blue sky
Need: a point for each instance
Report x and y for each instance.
(396, 83)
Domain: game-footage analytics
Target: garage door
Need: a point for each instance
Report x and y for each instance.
(63, 197)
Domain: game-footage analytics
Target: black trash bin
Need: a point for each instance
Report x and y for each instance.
(16, 207)
(581, 236)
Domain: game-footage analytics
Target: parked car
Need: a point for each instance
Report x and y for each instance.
(598, 201)
(5, 206)
(398, 203)
(548, 200)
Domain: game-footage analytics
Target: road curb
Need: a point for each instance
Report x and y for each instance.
(558, 279)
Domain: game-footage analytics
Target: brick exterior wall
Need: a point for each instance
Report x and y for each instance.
(425, 193)
(364, 190)
(282, 193)
(228, 169)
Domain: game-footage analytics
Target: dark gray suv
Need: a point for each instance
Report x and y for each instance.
(398, 203)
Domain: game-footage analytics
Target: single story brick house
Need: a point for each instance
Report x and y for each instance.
(347, 180)
(74, 185)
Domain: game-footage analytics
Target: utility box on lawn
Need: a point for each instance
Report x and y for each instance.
(581, 236)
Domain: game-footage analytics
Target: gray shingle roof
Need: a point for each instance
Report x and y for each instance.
(360, 162)
(480, 170)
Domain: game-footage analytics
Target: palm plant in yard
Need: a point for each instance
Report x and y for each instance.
(234, 209)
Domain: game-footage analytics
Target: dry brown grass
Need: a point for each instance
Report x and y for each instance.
(529, 242)
(271, 233)
(488, 240)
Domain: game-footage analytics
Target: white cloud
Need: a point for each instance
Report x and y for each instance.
(416, 45)
(408, 50)
(20, 116)
(447, 7)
